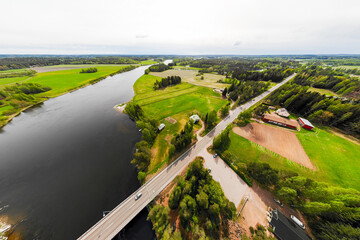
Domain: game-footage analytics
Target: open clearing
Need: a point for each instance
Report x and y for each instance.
(280, 141)
(210, 79)
(323, 91)
(175, 102)
(336, 159)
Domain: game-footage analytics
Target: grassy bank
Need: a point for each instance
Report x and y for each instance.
(336, 158)
(176, 102)
(59, 82)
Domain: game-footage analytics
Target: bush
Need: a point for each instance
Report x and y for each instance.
(89, 70)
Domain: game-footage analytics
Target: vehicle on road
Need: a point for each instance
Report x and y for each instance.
(138, 196)
(209, 169)
(215, 155)
(278, 202)
(297, 221)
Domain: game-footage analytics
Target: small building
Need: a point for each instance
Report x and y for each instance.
(272, 108)
(273, 119)
(161, 127)
(305, 123)
(195, 118)
(285, 228)
(282, 112)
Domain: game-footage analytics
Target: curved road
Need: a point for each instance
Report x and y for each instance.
(117, 219)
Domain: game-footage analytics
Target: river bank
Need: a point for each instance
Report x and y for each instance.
(39, 100)
(58, 187)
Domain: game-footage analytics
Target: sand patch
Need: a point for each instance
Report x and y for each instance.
(280, 141)
(170, 120)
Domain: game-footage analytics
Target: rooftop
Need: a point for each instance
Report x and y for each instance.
(283, 112)
(276, 118)
(306, 122)
(285, 229)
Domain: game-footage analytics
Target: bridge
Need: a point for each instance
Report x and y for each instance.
(119, 217)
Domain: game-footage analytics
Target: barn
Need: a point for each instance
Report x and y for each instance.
(305, 123)
(272, 118)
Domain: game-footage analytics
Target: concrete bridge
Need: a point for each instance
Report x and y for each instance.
(116, 220)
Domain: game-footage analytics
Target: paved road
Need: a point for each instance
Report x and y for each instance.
(117, 219)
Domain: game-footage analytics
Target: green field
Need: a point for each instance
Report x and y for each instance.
(61, 82)
(323, 91)
(336, 158)
(66, 80)
(176, 102)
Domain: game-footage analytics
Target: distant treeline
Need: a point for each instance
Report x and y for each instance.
(89, 70)
(159, 67)
(329, 111)
(243, 68)
(26, 62)
(168, 81)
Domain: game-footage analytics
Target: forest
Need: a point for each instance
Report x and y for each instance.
(199, 202)
(328, 78)
(245, 90)
(321, 109)
(168, 81)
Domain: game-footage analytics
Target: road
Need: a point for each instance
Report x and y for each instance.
(117, 219)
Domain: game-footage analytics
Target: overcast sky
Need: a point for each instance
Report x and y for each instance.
(179, 27)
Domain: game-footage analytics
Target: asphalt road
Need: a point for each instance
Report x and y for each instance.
(117, 219)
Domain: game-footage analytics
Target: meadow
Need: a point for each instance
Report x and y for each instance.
(60, 82)
(177, 102)
(336, 159)
(323, 91)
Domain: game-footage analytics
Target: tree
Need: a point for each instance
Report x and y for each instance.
(224, 92)
(203, 200)
(224, 111)
(187, 210)
(159, 216)
(288, 195)
(175, 197)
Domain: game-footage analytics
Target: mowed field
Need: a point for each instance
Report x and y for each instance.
(177, 102)
(337, 160)
(210, 80)
(278, 140)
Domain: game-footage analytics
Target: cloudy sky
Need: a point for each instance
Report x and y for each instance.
(179, 27)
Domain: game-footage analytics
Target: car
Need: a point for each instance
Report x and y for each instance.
(278, 202)
(297, 221)
(209, 169)
(138, 196)
(215, 155)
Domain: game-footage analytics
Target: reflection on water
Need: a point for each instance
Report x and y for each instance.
(66, 161)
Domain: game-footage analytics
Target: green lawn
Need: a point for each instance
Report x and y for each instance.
(323, 91)
(66, 80)
(337, 160)
(176, 102)
(6, 81)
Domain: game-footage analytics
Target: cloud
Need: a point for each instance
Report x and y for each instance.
(237, 43)
(142, 36)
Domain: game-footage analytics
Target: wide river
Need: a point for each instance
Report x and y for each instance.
(65, 162)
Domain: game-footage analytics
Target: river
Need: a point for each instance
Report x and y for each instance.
(65, 162)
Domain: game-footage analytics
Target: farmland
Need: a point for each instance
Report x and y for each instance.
(335, 158)
(177, 102)
(190, 76)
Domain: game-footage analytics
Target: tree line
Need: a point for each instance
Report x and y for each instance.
(244, 91)
(7, 63)
(158, 67)
(202, 207)
(89, 70)
(332, 212)
(148, 126)
(183, 139)
(165, 82)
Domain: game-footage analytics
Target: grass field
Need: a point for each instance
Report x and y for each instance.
(61, 82)
(323, 91)
(210, 79)
(66, 80)
(177, 102)
(336, 159)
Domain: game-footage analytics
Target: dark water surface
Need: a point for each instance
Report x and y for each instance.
(65, 162)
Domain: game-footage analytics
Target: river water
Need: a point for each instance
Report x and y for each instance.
(65, 162)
